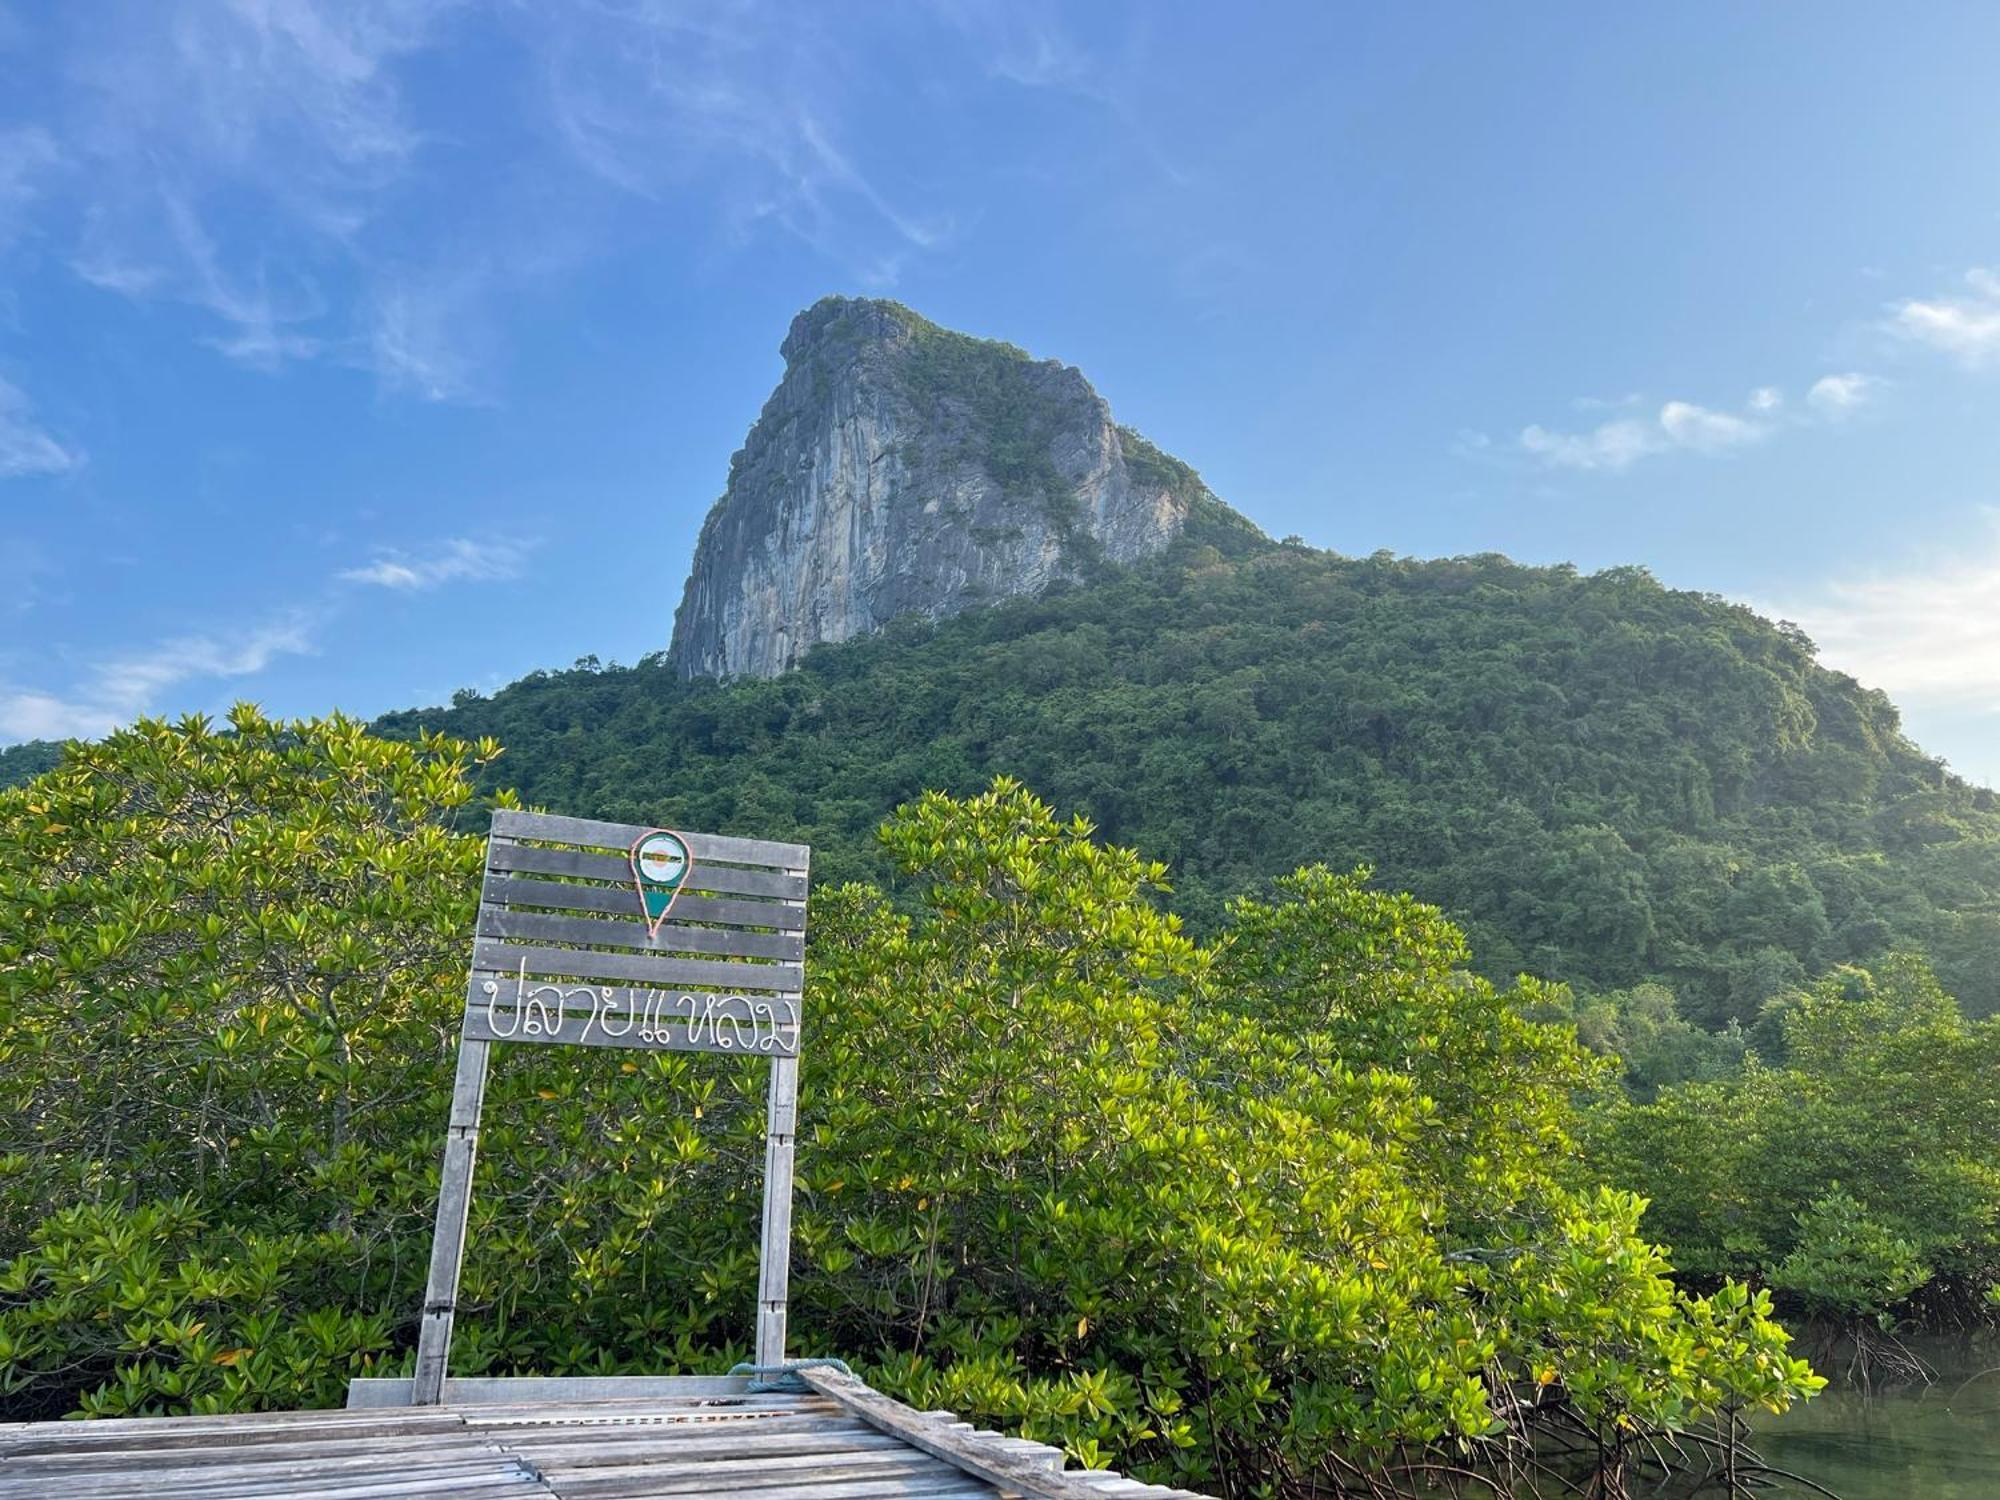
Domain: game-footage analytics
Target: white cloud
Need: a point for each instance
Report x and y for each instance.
(117, 689)
(1837, 395)
(457, 561)
(1613, 445)
(1966, 326)
(1682, 426)
(1622, 442)
(1928, 633)
(122, 688)
(26, 448)
(1705, 431)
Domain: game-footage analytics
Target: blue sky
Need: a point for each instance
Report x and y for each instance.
(353, 352)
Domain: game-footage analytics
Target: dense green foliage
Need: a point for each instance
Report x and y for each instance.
(1859, 1173)
(1302, 1204)
(222, 957)
(27, 760)
(1605, 782)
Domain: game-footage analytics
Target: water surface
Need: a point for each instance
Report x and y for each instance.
(1940, 1442)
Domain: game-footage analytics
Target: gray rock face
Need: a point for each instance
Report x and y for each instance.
(899, 469)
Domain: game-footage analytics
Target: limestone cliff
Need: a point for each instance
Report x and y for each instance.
(900, 468)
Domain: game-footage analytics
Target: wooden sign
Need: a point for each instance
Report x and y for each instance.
(707, 956)
(597, 934)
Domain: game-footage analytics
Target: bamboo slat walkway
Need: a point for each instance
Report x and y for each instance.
(842, 1441)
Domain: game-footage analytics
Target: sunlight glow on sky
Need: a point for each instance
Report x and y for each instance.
(354, 351)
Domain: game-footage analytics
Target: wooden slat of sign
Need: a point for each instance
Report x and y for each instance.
(515, 891)
(498, 955)
(574, 1030)
(589, 831)
(674, 937)
(728, 880)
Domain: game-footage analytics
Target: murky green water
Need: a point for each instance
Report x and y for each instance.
(1940, 1442)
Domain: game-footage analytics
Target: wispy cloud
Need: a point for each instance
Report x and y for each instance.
(1928, 632)
(1684, 427)
(27, 155)
(116, 689)
(417, 340)
(1610, 445)
(257, 160)
(120, 689)
(26, 447)
(459, 560)
(743, 98)
(183, 262)
(280, 118)
(1837, 395)
(1621, 442)
(1689, 426)
(1966, 326)
(1027, 46)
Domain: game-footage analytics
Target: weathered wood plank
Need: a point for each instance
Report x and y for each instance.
(727, 880)
(500, 1476)
(847, 1444)
(369, 1392)
(581, 1448)
(461, 1151)
(774, 1258)
(684, 1423)
(499, 955)
(555, 828)
(515, 891)
(113, 1434)
(186, 1465)
(883, 1468)
(237, 1465)
(964, 1451)
(672, 937)
(598, 1447)
(696, 911)
(937, 1483)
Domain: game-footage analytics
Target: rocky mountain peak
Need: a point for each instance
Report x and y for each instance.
(900, 468)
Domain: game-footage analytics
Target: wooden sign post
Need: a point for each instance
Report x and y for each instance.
(607, 935)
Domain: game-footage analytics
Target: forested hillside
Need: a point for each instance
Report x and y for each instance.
(1606, 781)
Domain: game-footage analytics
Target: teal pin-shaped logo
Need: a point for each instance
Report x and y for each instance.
(660, 864)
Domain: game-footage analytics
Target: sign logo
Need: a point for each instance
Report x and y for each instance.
(660, 864)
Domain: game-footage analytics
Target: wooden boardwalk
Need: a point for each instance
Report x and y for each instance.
(842, 1441)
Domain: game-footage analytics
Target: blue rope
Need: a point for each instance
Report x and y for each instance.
(783, 1378)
